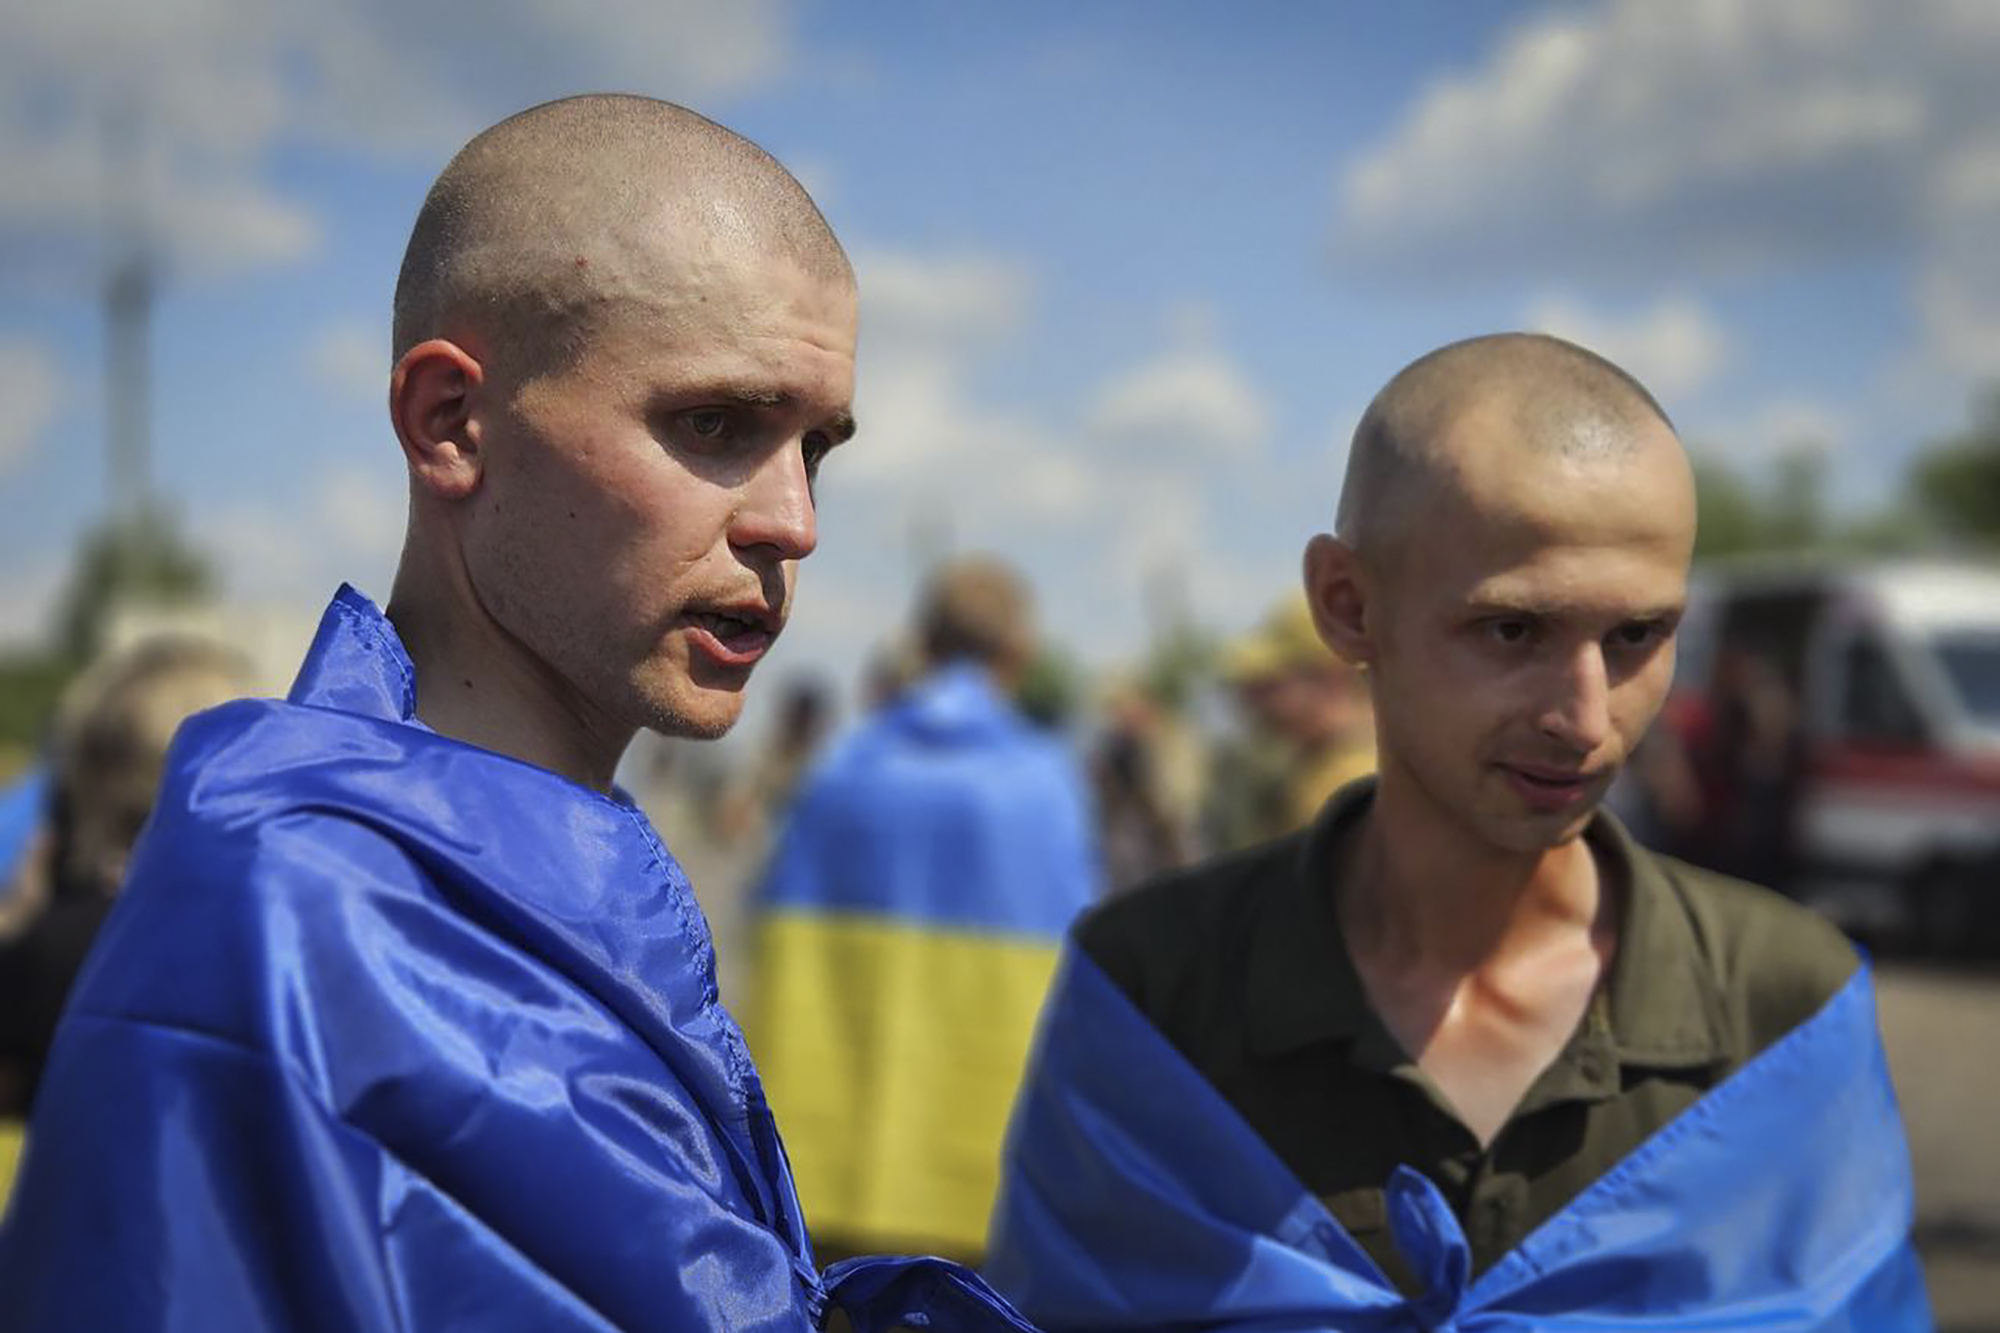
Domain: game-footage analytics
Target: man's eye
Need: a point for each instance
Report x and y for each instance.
(709, 423)
(1638, 635)
(1509, 631)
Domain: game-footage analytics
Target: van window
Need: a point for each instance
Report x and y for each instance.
(1875, 706)
(1971, 659)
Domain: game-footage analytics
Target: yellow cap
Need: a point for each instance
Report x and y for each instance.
(1283, 639)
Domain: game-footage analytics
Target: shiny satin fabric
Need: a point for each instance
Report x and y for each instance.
(908, 927)
(1135, 1197)
(387, 1032)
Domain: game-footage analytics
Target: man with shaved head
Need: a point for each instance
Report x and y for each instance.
(1461, 1054)
(406, 1019)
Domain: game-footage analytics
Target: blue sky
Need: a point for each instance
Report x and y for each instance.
(1130, 270)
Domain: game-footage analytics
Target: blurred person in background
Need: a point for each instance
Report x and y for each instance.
(757, 798)
(1717, 780)
(1461, 1053)
(107, 751)
(1307, 730)
(405, 1017)
(726, 854)
(1745, 751)
(1144, 770)
(891, 668)
(909, 924)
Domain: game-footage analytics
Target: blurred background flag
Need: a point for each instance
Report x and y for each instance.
(910, 922)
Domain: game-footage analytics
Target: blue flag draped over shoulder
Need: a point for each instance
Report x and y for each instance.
(388, 1032)
(1137, 1198)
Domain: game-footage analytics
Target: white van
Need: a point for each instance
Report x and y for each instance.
(1893, 668)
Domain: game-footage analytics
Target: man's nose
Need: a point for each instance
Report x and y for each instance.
(1578, 713)
(775, 509)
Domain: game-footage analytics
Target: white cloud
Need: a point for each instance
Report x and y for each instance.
(912, 302)
(1634, 144)
(352, 358)
(929, 436)
(1635, 137)
(422, 74)
(155, 117)
(1958, 278)
(1674, 346)
(1193, 399)
(260, 548)
(165, 116)
(31, 387)
(1785, 424)
(1161, 476)
(343, 523)
(362, 512)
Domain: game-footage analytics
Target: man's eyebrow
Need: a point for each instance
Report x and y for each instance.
(745, 396)
(1484, 607)
(840, 425)
(1490, 607)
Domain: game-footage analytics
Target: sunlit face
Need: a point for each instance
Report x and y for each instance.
(1524, 639)
(641, 515)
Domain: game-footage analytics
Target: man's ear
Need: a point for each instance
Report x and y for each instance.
(430, 404)
(1338, 591)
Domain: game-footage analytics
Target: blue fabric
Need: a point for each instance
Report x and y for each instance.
(388, 1032)
(1135, 1197)
(23, 808)
(948, 809)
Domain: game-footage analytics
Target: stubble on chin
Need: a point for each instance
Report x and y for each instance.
(706, 716)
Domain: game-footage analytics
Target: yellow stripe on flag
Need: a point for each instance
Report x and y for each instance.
(12, 1135)
(891, 1053)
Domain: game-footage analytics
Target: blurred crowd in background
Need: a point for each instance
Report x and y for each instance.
(889, 864)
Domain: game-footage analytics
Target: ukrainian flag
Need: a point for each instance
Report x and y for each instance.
(1136, 1197)
(910, 924)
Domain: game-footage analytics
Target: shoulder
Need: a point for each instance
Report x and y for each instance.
(1775, 962)
(256, 777)
(264, 817)
(1167, 944)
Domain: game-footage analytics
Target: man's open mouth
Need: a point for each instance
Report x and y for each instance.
(722, 624)
(732, 638)
(1554, 781)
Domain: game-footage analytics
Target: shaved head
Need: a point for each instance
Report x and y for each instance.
(624, 344)
(1510, 567)
(1540, 396)
(552, 220)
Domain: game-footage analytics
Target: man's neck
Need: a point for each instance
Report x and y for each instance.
(1420, 892)
(1481, 963)
(478, 684)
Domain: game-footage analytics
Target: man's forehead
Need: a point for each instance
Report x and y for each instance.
(758, 356)
(1491, 568)
(1579, 581)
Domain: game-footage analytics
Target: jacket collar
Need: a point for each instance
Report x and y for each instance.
(1662, 1006)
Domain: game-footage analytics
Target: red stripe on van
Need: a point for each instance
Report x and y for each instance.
(1909, 769)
